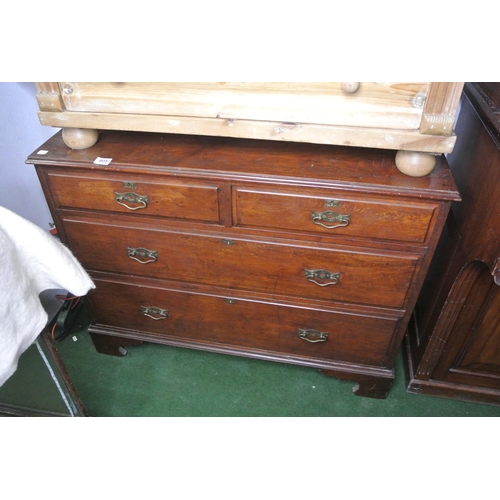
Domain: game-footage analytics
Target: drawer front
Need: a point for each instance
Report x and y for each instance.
(282, 268)
(332, 215)
(241, 323)
(374, 104)
(137, 195)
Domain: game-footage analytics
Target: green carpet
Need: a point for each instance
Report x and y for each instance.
(156, 381)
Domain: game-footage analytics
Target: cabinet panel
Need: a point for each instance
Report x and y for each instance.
(453, 343)
(334, 213)
(280, 267)
(473, 348)
(132, 193)
(243, 323)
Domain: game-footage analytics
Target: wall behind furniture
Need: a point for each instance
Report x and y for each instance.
(20, 134)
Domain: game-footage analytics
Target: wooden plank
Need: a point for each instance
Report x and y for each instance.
(294, 132)
(379, 105)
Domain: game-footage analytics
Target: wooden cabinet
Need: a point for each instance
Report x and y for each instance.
(415, 119)
(453, 343)
(291, 252)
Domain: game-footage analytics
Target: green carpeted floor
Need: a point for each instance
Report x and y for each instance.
(154, 380)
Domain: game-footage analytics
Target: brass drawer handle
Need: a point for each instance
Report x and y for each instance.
(326, 277)
(142, 255)
(312, 335)
(124, 198)
(330, 217)
(155, 312)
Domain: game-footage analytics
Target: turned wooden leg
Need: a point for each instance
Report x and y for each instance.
(113, 346)
(79, 138)
(367, 385)
(414, 163)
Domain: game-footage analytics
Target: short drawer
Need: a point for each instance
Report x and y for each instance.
(332, 214)
(230, 321)
(284, 268)
(135, 194)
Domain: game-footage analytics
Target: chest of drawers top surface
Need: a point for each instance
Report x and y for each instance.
(364, 169)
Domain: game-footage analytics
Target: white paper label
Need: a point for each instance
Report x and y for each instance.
(42, 152)
(102, 161)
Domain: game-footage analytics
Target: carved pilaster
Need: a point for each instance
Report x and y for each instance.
(440, 108)
(454, 302)
(49, 97)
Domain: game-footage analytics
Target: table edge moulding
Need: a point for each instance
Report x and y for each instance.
(415, 120)
(310, 254)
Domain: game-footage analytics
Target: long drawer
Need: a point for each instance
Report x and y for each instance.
(332, 213)
(136, 194)
(230, 321)
(283, 267)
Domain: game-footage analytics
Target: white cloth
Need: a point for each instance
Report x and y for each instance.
(31, 261)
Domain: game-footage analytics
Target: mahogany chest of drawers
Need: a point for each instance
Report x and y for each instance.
(299, 253)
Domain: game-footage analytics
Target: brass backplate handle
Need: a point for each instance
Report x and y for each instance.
(312, 335)
(330, 219)
(142, 255)
(322, 277)
(155, 313)
(332, 203)
(132, 198)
